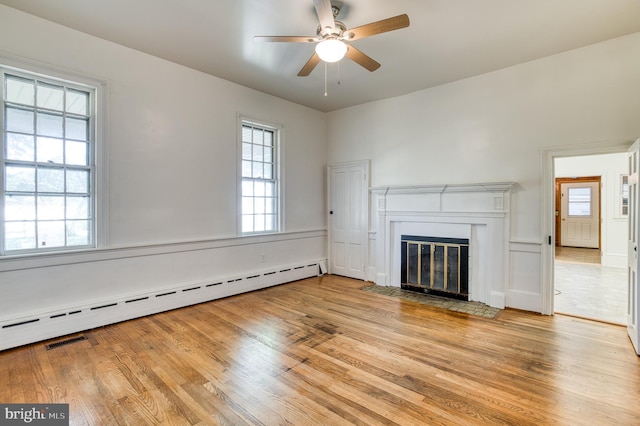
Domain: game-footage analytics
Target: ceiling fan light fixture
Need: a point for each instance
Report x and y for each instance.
(331, 50)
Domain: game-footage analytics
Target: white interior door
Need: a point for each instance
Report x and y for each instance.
(580, 214)
(634, 297)
(348, 219)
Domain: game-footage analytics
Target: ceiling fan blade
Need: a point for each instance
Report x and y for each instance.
(290, 39)
(378, 27)
(361, 59)
(325, 13)
(309, 66)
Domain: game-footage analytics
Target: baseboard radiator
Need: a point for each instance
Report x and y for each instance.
(24, 330)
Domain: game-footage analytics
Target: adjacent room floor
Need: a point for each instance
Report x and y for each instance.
(585, 288)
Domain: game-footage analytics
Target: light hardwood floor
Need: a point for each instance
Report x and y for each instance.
(321, 351)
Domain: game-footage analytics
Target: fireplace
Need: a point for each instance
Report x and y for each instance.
(435, 265)
(477, 213)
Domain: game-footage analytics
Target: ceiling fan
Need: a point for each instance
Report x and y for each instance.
(332, 35)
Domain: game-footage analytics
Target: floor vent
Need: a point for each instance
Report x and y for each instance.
(65, 342)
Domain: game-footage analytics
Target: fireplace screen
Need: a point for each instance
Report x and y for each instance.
(435, 265)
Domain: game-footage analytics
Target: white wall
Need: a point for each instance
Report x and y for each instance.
(614, 226)
(494, 128)
(171, 143)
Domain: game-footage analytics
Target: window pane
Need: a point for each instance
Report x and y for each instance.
(268, 154)
(51, 234)
(20, 90)
(259, 188)
(246, 169)
(257, 136)
(20, 207)
(247, 205)
(77, 208)
(78, 232)
(19, 120)
(77, 129)
(247, 188)
(49, 125)
(247, 223)
(268, 138)
(78, 181)
(50, 96)
(268, 171)
(259, 223)
(49, 150)
(257, 171)
(257, 152)
(269, 206)
(77, 102)
(259, 205)
(270, 189)
(246, 134)
(77, 153)
(50, 207)
(579, 201)
(50, 180)
(20, 235)
(246, 151)
(20, 147)
(20, 178)
(270, 222)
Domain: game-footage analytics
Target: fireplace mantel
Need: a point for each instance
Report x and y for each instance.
(467, 187)
(479, 212)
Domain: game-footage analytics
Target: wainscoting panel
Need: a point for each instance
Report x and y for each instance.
(525, 277)
(51, 296)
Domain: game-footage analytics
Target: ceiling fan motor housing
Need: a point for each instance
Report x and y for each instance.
(336, 32)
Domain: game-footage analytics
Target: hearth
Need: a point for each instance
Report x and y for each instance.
(435, 265)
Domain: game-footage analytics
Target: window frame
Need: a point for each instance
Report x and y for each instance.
(96, 140)
(277, 173)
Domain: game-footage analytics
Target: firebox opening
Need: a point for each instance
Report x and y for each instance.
(433, 265)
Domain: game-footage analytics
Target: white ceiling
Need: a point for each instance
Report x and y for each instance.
(447, 40)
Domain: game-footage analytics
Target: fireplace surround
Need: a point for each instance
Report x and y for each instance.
(478, 213)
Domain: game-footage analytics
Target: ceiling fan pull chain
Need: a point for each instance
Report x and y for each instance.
(338, 73)
(325, 79)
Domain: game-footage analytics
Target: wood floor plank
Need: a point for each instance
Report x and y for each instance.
(321, 351)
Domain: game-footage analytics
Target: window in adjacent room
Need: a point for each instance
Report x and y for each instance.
(624, 195)
(259, 188)
(48, 160)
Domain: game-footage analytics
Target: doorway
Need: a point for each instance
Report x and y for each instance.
(590, 237)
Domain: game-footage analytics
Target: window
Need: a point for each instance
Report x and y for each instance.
(48, 161)
(624, 195)
(259, 178)
(579, 201)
